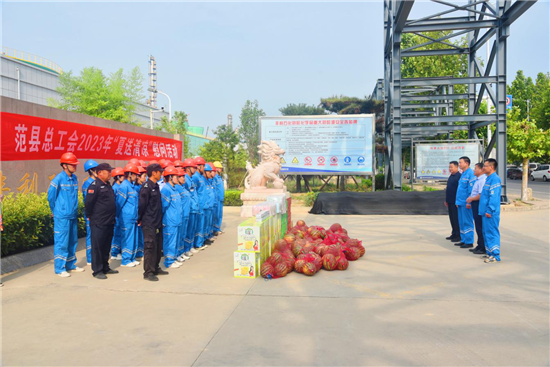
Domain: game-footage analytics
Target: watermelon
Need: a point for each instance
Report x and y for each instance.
(275, 259)
(300, 223)
(281, 270)
(361, 251)
(266, 270)
(329, 262)
(299, 265)
(343, 263)
(353, 254)
(289, 238)
(335, 227)
(309, 269)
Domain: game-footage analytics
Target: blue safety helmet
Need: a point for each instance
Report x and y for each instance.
(90, 164)
(207, 167)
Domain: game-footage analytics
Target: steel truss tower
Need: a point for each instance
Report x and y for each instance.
(423, 107)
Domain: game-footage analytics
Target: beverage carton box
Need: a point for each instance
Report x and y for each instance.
(246, 264)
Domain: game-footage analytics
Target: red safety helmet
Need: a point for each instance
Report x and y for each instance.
(211, 166)
(181, 171)
(189, 162)
(165, 163)
(178, 163)
(134, 161)
(199, 161)
(141, 170)
(170, 170)
(117, 172)
(153, 162)
(142, 164)
(131, 168)
(69, 158)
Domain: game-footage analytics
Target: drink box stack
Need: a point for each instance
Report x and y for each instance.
(253, 247)
(280, 225)
(271, 209)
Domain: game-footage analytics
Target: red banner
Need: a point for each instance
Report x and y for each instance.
(26, 138)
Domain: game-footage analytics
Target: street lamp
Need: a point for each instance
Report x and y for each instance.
(169, 101)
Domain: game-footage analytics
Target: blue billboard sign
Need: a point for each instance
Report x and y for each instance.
(508, 102)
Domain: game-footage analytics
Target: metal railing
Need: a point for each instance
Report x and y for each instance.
(34, 59)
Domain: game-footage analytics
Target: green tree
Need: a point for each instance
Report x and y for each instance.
(225, 148)
(526, 141)
(178, 125)
(92, 93)
(541, 101)
(249, 130)
(301, 109)
(343, 105)
(522, 89)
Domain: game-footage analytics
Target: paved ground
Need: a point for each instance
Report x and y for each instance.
(541, 190)
(414, 299)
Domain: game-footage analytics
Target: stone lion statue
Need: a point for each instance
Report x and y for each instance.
(268, 169)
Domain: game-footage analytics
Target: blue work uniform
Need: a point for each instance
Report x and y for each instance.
(117, 234)
(171, 221)
(63, 200)
(200, 184)
(186, 206)
(181, 235)
(465, 215)
(221, 197)
(212, 196)
(193, 213)
(207, 210)
(489, 203)
(127, 199)
(85, 186)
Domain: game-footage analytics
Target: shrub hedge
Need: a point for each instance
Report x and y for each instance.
(233, 198)
(28, 222)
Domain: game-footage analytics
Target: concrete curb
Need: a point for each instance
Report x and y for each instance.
(29, 258)
(528, 207)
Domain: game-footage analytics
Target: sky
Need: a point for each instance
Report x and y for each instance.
(214, 56)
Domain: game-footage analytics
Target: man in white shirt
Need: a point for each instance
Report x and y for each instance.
(473, 202)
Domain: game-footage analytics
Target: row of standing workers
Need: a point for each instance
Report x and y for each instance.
(174, 208)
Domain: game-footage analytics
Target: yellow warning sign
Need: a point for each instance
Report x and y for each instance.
(283, 160)
(295, 160)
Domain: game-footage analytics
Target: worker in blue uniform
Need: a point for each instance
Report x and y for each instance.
(63, 200)
(127, 198)
(186, 204)
(172, 217)
(142, 178)
(489, 209)
(190, 168)
(118, 177)
(200, 183)
(214, 202)
(207, 231)
(89, 167)
(220, 188)
(465, 214)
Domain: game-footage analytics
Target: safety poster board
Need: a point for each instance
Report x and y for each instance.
(322, 144)
(432, 160)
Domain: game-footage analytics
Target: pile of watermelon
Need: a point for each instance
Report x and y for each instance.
(310, 249)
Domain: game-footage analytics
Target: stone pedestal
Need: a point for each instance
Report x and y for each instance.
(251, 197)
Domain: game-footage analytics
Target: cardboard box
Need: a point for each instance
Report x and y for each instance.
(246, 264)
(254, 236)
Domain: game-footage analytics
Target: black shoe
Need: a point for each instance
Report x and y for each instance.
(100, 276)
(467, 245)
(459, 243)
(456, 239)
(479, 252)
(111, 271)
(161, 272)
(449, 238)
(151, 278)
(208, 242)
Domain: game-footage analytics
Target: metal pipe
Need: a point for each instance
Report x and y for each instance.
(169, 104)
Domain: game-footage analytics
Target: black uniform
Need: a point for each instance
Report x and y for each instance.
(101, 210)
(150, 217)
(450, 199)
